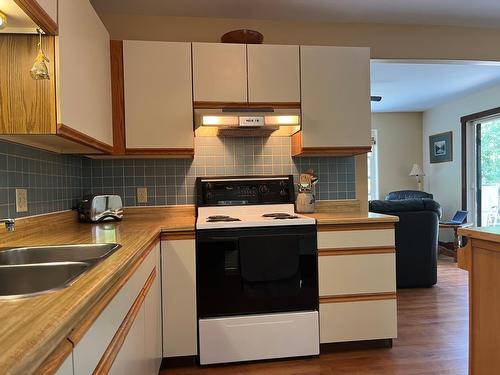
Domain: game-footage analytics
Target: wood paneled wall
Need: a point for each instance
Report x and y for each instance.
(27, 106)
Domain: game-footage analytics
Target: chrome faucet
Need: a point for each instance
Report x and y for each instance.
(10, 224)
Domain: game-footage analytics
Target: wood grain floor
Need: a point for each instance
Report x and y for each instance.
(433, 335)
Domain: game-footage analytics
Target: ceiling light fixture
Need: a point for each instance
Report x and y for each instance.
(3, 20)
(39, 70)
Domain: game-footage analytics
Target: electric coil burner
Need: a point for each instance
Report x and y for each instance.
(219, 218)
(256, 271)
(280, 216)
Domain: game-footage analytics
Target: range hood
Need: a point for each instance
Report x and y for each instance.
(246, 121)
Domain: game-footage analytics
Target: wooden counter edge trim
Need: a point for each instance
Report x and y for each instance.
(355, 226)
(76, 335)
(52, 363)
(358, 297)
(116, 343)
(71, 134)
(181, 235)
(39, 16)
(357, 251)
(485, 244)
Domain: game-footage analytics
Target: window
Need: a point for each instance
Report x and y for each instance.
(373, 168)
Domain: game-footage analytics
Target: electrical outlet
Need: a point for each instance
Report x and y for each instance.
(142, 195)
(21, 200)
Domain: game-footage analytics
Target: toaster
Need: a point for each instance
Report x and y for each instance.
(97, 208)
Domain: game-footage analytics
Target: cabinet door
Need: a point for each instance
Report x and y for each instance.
(50, 7)
(219, 72)
(153, 329)
(131, 358)
(273, 73)
(84, 71)
(158, 94)
(179, 298)
(335, 89)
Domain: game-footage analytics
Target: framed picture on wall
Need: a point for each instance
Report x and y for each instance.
(441, 147)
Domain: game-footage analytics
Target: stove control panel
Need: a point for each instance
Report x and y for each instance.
(230, 191)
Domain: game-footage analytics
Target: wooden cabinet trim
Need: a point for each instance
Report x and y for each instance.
(172, 236)
(358, 297)
(76, 335)
(39, 16)
(116, 343)
(253, 105)
(298, 150)
(52, 363)
(359, 226)
(356, 251)
(71, 134)
(174, 152)
(118, 96)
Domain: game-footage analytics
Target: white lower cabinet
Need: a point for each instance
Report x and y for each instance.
(357, 284)
(135, 313)
(66, 367)
(179, 298)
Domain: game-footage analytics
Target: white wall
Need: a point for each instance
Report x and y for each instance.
(444, 179)
(399, 147)
(386, 41)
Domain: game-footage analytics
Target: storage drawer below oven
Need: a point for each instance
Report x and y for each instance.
(253, 337)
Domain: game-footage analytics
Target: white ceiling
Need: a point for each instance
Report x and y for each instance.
(17, 20)
(420, 86)
(482, 13)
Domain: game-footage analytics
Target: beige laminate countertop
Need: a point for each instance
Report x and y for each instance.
(484, 233)
(33, 327)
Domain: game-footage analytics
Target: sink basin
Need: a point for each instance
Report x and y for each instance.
(32, 279)
(91, 253)
(29, 271)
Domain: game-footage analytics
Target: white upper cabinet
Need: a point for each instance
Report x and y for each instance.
(219, 72)
(335, 89)
(158, 95)
(50, 7)
(273, 73)
(84, 71)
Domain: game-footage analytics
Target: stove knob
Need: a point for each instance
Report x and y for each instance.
(263, 189)
(283, 193)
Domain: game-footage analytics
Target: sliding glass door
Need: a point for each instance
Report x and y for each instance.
(486, 161)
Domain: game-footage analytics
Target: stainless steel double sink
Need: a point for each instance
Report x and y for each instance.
(30, 271)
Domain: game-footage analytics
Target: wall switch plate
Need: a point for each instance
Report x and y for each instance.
(21, 200)
(142, 195)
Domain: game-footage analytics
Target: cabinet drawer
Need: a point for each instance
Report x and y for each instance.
(355, 321)
(356, 274)
(90, 348)
(356, 238)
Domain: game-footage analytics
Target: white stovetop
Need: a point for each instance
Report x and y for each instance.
(250, 216)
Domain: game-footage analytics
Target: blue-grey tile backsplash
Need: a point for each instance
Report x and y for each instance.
(53, 181)
(56, 182)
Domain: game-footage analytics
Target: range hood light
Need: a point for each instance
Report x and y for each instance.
(283, 120)
(219, 120)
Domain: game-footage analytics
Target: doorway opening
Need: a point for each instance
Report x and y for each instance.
(481, 193)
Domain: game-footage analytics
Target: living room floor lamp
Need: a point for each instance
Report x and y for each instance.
(417, 171)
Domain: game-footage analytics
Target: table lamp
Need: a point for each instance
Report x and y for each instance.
(417, 171)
